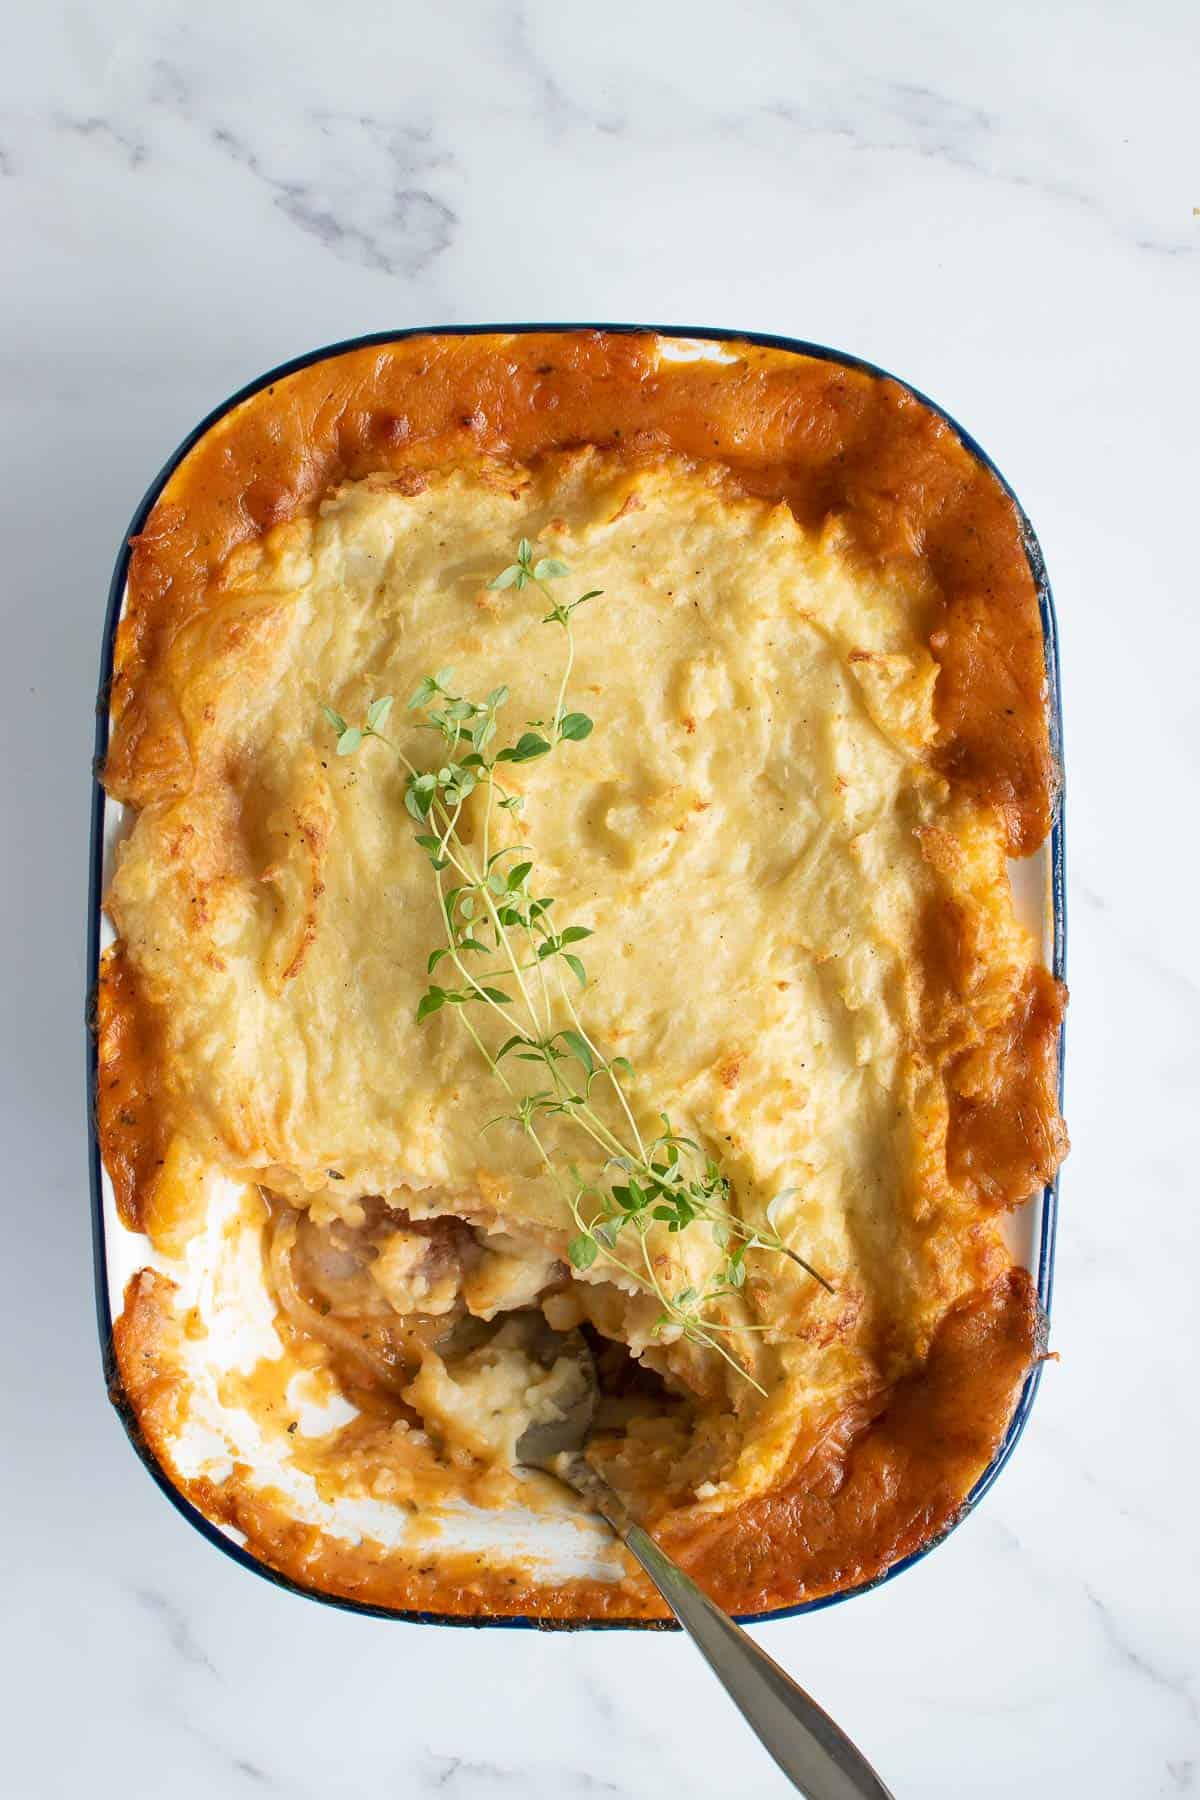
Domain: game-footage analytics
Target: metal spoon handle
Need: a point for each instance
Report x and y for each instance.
(816, 1757)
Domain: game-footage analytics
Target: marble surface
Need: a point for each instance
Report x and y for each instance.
(999, 204)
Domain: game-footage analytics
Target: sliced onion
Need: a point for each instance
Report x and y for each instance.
(309, 1319)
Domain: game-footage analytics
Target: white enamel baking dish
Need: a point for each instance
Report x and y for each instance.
(220, 1277)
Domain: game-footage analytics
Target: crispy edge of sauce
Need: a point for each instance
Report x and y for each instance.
(1005, 1136)
(890, 1482)
(132, 1122)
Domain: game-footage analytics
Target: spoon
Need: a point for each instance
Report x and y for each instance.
(818, 1758)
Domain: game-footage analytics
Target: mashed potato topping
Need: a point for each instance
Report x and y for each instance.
(765, 844)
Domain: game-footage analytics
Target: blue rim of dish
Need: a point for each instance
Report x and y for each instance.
(1058, 902)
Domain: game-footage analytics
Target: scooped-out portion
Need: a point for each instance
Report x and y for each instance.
(460, 1333)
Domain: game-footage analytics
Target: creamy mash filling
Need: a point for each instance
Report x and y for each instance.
(747, 836)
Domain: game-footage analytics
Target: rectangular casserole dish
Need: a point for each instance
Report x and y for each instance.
(120, 1253)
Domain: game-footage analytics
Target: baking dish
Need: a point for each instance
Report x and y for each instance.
(121, 1252)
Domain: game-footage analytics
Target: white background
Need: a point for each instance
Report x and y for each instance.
(997, 203)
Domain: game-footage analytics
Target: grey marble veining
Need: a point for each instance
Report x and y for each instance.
(999, 204)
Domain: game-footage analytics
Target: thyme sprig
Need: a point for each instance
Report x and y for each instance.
(489, 911)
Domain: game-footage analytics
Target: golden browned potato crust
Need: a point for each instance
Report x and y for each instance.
(826, 438)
